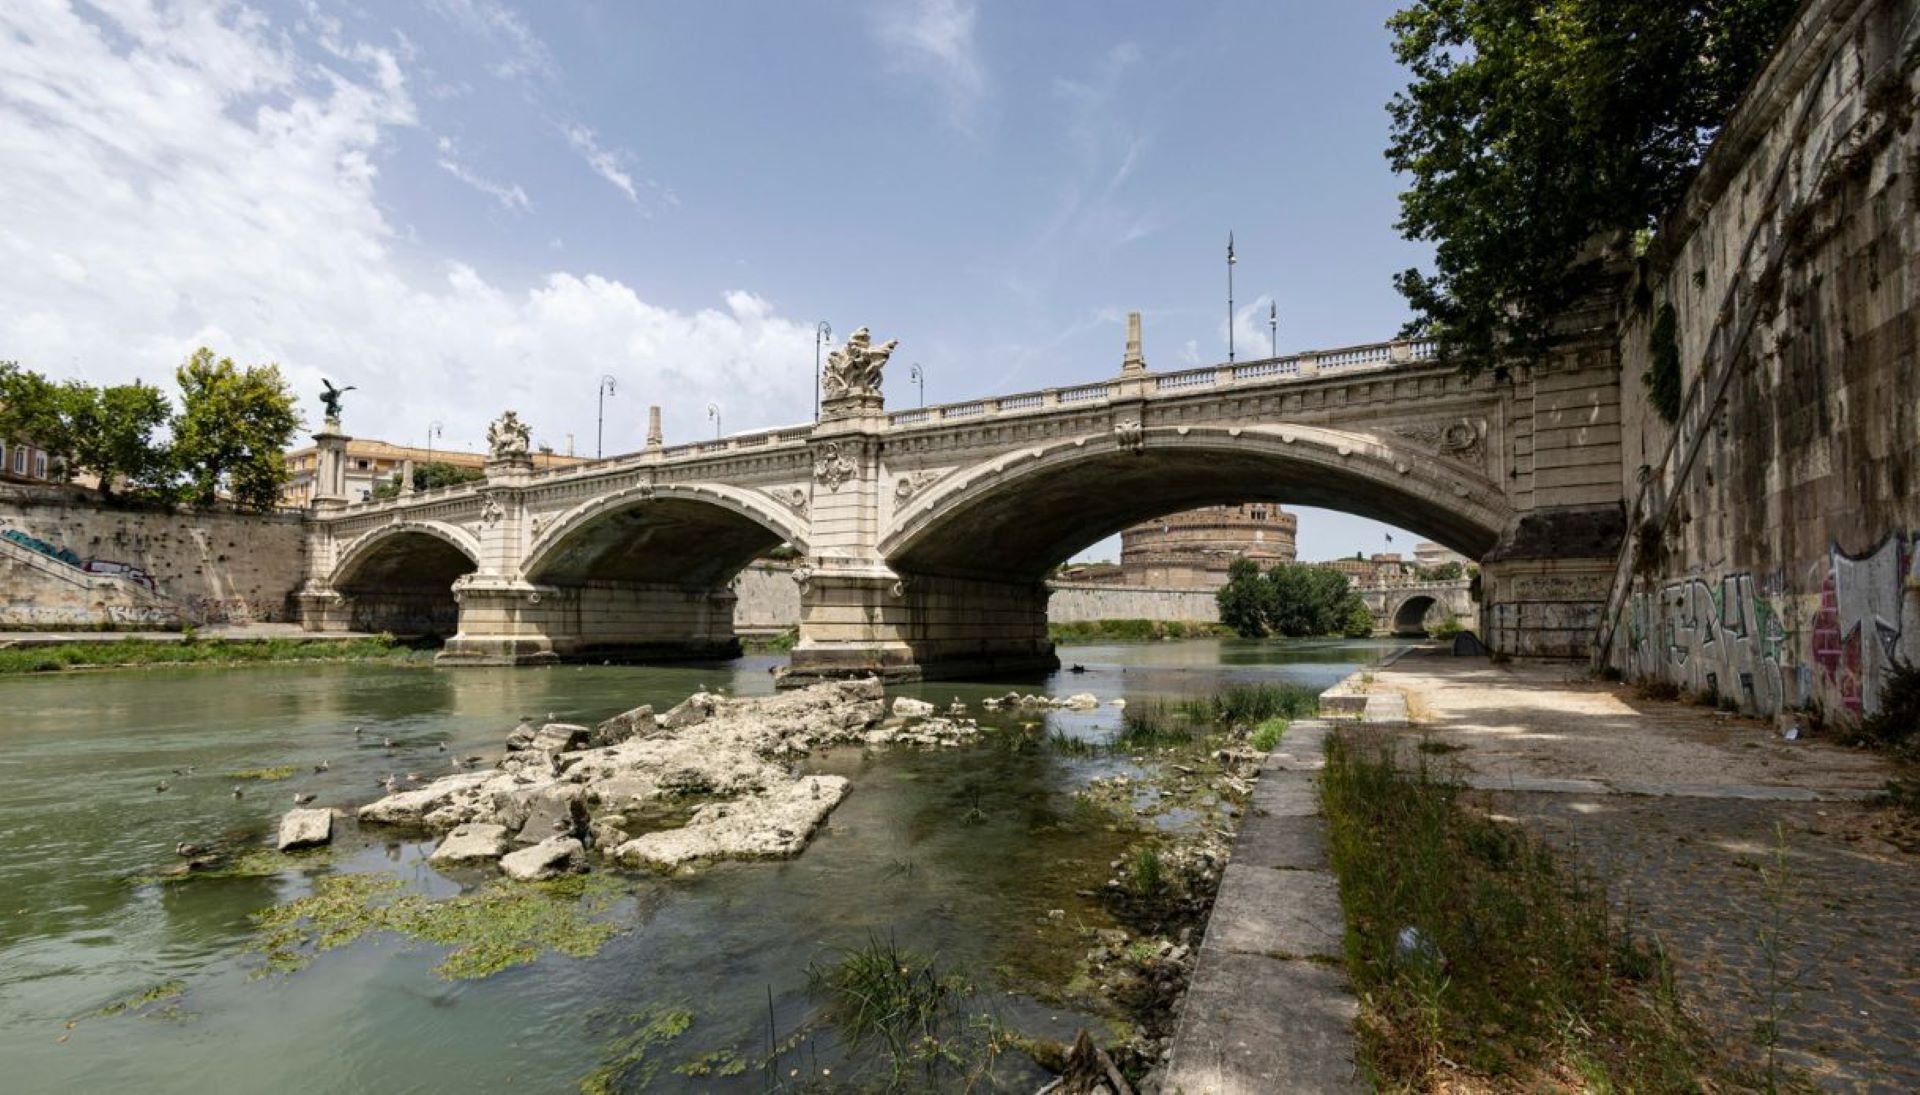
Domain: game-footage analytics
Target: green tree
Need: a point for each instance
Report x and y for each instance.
(1244, 599)
(1356, 619)
(32, 409)
(1445, 572)
(107, 431)
(1532, 128)
(233, 429)
(1291, 599)
(113, 433)
(427, 476)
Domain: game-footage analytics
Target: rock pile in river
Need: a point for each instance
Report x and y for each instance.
(563, 789)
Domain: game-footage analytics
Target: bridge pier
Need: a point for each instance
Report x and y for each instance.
(527, 623)
(915, 627)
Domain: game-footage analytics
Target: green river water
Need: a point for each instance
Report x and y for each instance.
(81, 823)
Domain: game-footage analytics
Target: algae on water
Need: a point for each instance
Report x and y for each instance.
(284, 771)
(624, 1065)
(495, 927)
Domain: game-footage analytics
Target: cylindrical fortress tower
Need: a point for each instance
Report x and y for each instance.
(1192, 550)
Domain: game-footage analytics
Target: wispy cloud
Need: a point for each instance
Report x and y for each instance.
(509, 195)
(524, 54)
(605, 162)
(934, 39)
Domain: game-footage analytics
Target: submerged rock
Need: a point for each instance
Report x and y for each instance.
(548, 859)
(305, 829)
(475, 840)
(1083, 701)
(906, 707)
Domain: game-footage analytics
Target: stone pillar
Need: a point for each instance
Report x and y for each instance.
(1543, 587)
(330, 467)
(1135, 362)
(654, 437)
(406, 476)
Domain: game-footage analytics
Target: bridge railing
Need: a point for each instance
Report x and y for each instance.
(1263, 371)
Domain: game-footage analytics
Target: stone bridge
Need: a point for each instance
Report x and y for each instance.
(926, 535)
(1407, 609)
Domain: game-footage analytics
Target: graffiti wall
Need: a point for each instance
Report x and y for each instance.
(1777, 642)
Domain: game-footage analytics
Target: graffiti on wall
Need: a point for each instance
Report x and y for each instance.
(1771, 647)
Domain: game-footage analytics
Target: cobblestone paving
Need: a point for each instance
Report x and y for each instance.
(1690, 872)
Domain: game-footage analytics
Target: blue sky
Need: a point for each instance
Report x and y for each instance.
(463, 205)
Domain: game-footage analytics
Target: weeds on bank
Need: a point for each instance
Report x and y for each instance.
(139, 652)
(1474, 950)
(1267, 735)
(1132, 631)
(1250, 704)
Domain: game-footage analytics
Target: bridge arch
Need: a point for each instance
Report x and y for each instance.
(694, 536)
(399, 577)
(1409, 619)
(1031, 509)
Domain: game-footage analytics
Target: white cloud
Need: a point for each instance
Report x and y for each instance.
(509, 195)
(934, 39)
(605, 163)
(186, 177)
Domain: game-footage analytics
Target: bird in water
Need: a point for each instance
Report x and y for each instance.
(184, 771)
(161, 786)
(190, 850)
(388, 742)
(237, 792)
(441, 746)
(1078, 669)
(301, 800)
(390, 783)
(322, 766)
(356, 731)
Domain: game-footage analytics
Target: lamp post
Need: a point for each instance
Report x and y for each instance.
(433, 431)
(914, 374)
(600, 422)
(822, 334)
(1230, 261)
(713, 412)
(1273, 325)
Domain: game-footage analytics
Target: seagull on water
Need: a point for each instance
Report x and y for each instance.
(161, 786)
(322, 766)
(237, 792)
(301, 800)
(190, 850)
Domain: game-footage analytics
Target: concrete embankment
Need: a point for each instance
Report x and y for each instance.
(1269, 1008)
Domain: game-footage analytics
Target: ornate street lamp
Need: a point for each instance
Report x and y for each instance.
(1273, 324)
(713, 412)
(914, 374)
(822, 334)
(1230, 261)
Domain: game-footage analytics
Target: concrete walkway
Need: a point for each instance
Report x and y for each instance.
(1269, 1009)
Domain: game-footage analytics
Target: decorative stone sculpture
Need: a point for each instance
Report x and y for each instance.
(854, 369)
(508, 436)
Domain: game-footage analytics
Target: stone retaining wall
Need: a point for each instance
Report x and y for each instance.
(210, 567)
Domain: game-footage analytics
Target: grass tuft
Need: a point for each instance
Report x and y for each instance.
(1473, 950)
(1251, 704)
(144, 652)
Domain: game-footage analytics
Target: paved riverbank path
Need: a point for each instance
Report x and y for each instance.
(1679, 808)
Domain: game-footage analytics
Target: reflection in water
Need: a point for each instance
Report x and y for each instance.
(81, 822)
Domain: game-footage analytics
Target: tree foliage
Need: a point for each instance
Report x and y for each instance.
(1291, 599)
(428, 476)
(1533, 127)
(233, 429)
(107, 431)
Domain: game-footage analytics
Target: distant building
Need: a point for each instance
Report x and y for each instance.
(1429, 554)
(1193, 550)
(24, 462)
(371, 463)
(1380, 569)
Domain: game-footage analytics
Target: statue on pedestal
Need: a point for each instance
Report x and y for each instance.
(854, 369)
(508, 436)
(330, 399)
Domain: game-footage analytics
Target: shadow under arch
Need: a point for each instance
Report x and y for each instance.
(973, 551)
(399, 577)
(1026, 512)
(1410, 617)
(646, 573)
